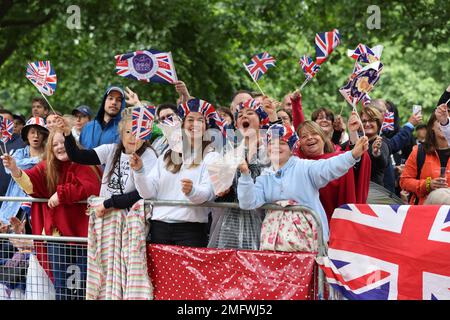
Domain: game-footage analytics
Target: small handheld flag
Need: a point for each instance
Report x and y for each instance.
(326, 42)
(43, 77)
(388, 122)
(7, 130)
(147, 65)
(142, 122)
(258, 66)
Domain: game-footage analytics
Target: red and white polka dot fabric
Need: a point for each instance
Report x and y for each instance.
(185, 273)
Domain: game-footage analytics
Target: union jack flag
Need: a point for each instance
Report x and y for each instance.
(309, 67)
(7, 129)
(326, 42)
(147, 65)
(389, 252)
(26, 207)
(42, 75)
(388, 122)
(364, 54)
(142, 122)
(259, 65)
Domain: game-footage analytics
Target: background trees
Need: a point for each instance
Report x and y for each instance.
(210, 39)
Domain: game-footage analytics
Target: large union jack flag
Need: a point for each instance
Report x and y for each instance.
(388, 122)
(142, 122)
(309, 67)
(42, 75)
(389, 252)
(147, 65)
(259, 65)
(6, 129)
(326, 42)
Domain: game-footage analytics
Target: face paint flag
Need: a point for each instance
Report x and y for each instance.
(309, 67)
(147, 65)
(42, 75)
(361, 83)
(326, 42)
(260, 64)
(142, 122)
(388, 122)
(7, 129)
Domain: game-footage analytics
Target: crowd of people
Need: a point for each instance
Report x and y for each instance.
(320, 163)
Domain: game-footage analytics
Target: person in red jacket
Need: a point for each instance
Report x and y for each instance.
(313, 144)
(65, 183)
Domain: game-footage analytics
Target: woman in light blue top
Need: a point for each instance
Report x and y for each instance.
(34, 134)
(291, 178)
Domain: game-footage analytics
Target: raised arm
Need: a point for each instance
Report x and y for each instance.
(297, 111)
(75, 154)
(321, 172)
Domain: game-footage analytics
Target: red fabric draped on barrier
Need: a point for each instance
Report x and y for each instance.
(185, 273)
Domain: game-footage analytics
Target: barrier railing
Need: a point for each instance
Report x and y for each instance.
(82, 242)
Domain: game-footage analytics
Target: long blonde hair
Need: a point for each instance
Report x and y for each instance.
(313, 127)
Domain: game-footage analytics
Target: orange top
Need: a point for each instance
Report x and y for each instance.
(431, 168)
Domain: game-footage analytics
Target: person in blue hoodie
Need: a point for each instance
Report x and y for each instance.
(103, 129)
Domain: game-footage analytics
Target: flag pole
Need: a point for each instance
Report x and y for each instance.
(342, 109)
(47, 101)
(304, 83)
(354, 109)
(253, 79)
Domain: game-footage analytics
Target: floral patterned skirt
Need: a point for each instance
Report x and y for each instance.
(287, 230)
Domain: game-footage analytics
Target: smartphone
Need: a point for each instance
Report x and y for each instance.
(417, 109)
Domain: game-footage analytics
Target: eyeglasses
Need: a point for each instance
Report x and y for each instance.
(367, 120)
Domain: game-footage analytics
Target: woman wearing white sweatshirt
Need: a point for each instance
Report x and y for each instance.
(181, 177)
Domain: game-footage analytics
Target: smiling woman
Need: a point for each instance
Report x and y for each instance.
(314, 145)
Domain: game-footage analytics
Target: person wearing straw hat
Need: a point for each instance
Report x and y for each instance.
(276, 185)
(35, 134)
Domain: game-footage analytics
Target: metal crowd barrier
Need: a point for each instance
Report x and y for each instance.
(21, 277)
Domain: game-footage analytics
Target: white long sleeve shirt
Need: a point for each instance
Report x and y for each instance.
(160, 184)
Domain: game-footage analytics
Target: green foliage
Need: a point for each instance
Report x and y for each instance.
(209, 41)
